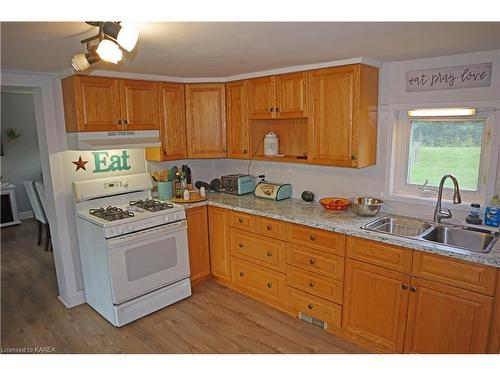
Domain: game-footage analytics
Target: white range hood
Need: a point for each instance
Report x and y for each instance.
(113, 140)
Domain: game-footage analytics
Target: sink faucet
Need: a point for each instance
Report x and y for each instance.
(439, 213)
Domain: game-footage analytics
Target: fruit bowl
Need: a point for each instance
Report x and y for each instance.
(338, 204)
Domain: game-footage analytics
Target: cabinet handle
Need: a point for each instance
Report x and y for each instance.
(404, 286)
(312, 237)
(242, 274)
(311, 284)
(240, 220)
(413, 289)
(277, 109)
(240, 244)
(245, 151)
(312, 261)
(269, 284)
(271, 109)
(269, 227)
(310, 306)
(353, 157)
(269, 253)
(119, 122)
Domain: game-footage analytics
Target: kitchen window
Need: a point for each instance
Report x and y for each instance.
(431, 146)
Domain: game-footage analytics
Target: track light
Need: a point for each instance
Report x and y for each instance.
(125, 35)
(443, 112)
(111, 36)
(109, 51)
(82, 61)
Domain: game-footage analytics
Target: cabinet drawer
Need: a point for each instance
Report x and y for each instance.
(271, 228)
(258, 249)
(258, 280)
(316, 261)
(379, 254)
(243, 221)
(453, 272)
(318, 285)
(316, 238)
(315, 307)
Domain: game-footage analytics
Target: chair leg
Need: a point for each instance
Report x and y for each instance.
(47, 237)
(39, 233)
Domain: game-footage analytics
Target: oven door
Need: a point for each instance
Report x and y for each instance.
(147, 260)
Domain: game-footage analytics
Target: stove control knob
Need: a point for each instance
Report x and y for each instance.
(130, 228)
(166, 219)
(125, 183)
(112, 231)
(120, 230)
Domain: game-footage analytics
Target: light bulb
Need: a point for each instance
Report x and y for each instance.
(109, 51)
(127, 37)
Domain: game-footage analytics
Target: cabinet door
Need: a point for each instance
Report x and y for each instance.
(291, 95)
(206, 120)
(199, 256)
(238, 137)
(444, 319)
(139, 105)
(218, 224)
(333, 98)
(172, 121)
(261, 103)
(97, 103)
(376, 305)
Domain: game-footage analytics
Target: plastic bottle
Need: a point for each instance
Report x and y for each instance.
(492, 212)
(178, 185)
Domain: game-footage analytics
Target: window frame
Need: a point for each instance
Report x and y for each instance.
(399, 186)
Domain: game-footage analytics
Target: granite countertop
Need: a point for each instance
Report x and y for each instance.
(314, 215)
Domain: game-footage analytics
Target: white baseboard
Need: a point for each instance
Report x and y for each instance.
(25, 215)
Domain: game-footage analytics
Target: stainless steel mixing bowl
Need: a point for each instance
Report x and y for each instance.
(366, 206)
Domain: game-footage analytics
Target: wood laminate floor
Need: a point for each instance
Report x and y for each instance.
(214, 319)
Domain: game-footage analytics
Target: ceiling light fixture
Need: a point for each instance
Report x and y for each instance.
(442, 112)
(125, 35)
(82, 61)
(111, 36)
(109, 51)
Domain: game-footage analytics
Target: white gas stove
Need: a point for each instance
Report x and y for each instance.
(133, 248)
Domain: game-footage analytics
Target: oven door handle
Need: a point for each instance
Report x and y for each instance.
(147, 234)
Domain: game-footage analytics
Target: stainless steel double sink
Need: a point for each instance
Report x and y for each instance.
(452, 236)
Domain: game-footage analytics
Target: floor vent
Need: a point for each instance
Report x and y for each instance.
(311, 320)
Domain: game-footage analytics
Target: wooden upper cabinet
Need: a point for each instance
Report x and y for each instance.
(291, 95)
(446, 320)
(376, 305)
(220, 251)
(343, 113)
(206, 120)
(261, 101)
(139, 105)
(282, 96)
(172, 124)
(91, 104)
(103, 104)
(238, 137)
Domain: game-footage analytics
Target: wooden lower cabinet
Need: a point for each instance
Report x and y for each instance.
(218, 224)
(199, 252)
(446, 320)
(375, 306)
(384, 306)
(259, 281)
(318, 308)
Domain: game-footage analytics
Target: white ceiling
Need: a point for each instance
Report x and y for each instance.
(221, 49)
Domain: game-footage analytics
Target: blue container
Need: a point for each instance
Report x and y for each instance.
(165, 190)
(492, 213)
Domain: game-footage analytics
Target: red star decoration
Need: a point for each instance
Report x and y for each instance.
(80, 164)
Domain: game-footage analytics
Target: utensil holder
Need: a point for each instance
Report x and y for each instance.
(165, 190)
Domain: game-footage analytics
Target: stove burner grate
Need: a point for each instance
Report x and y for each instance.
(111, 213)
(152, 205)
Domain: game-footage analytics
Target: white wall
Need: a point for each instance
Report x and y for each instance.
(21, 160)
